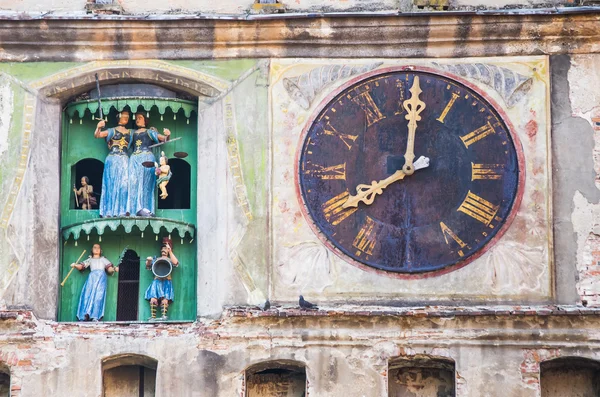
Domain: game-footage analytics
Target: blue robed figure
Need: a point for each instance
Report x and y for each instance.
(93, 294)
(142, 180)
(113, 201)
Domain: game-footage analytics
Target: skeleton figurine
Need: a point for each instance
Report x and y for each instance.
(163, 173)
(161, 290)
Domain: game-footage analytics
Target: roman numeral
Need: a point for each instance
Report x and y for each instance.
(348, 139)
(448, 107)
(478, 134)
(486, 171)
(478, 208)
(370, 108)
(366, 238)
(447, 232)
(334, 212)
(328, 173)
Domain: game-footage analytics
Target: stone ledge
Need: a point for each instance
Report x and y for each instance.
(416, 36)
(418, 311)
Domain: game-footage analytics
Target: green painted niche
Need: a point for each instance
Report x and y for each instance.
(83, 154)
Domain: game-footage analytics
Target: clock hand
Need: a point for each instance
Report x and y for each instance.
(367, 193)
(414, 106)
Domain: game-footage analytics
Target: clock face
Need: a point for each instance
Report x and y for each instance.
(438, 218)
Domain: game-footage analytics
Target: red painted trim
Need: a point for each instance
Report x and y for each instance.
(458, 265)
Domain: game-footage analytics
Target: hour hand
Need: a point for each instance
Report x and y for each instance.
(367, 193)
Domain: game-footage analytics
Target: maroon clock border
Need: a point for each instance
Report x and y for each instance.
(518, 149)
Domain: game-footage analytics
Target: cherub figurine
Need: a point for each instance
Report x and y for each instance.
(85, 194)
(163, 172)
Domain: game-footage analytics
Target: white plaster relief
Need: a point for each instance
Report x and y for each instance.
(6, 111)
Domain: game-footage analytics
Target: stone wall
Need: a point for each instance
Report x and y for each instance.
(240, 7)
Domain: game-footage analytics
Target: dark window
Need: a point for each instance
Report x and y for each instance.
(129, 287)
(421, 376)
(179, 186)
(93, 169)
(4, 383)
(570, 376)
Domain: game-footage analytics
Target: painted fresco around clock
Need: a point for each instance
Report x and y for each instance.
(409, 171)
(469, 219)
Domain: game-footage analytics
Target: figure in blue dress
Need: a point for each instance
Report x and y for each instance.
(142, 179)
(93, 294)
(113, 201)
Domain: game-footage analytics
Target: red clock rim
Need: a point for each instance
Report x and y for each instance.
(434, 273)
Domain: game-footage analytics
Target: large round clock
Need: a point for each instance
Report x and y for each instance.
(409, 171)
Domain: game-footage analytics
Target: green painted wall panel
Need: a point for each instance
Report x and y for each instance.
(78, 143)
(113, 243)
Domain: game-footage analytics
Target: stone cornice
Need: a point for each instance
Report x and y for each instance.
(443, 35)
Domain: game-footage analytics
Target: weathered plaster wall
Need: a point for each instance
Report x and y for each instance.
(243, 6)
(343, 355)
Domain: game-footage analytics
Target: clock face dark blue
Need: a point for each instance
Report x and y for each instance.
(438, 218)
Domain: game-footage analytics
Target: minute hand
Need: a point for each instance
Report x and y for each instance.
(414, 106)
(367, 193)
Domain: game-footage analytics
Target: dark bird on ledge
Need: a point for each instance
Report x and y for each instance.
(306, 304)
(265, 306)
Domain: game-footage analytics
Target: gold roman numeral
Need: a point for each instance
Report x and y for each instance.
(447, 232)
(478, 134)
(328, 173)
(366, 238)
(478, 208)
(486, 171)
(370, 108)
(334, 212)
(448, 107)
(348, 139)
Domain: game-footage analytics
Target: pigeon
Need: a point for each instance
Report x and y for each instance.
(265, 306)
(306, 304)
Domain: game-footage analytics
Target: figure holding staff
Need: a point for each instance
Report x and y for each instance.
(93, 294)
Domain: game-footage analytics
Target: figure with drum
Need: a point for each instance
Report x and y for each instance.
(161, 292)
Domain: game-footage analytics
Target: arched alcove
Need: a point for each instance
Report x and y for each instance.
(129, 287)
(129, 375)
(93, 170)
(276, 378)
(570, 376)
(421, 376)
(179, 187)
(4, 381)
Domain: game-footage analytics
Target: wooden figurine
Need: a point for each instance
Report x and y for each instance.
(113, 201)
(142, 180)
(93, 294)
(163, 174)
(161, 289)
(85, 194)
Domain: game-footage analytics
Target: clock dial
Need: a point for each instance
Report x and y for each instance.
(435, 218)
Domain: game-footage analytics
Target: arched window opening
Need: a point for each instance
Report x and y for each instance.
(570, 376)
(179, 186)
(276, 378)
(129, 287)
(421, 377)
(91, 169)
(129, 375)
(4, 381)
